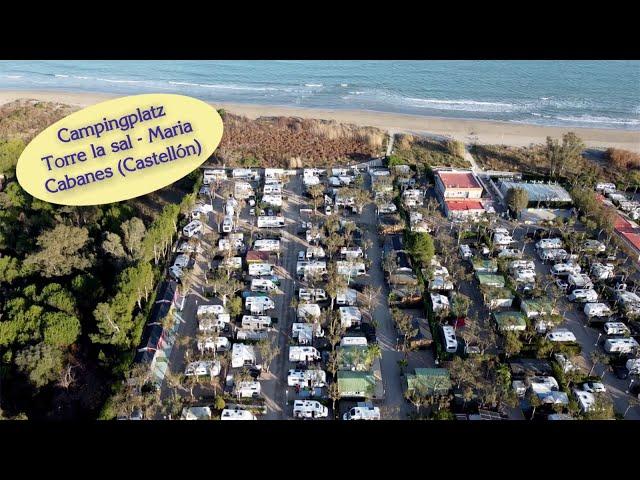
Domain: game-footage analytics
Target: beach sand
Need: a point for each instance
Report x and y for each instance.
(468, 131)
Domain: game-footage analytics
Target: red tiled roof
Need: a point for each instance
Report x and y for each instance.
(633, 238)
(257, 256)
(622, 225)
(458, 180)
(459, 205)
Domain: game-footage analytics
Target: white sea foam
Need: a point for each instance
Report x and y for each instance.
(110, 80)
(313, 85)
(598, 119)
(61, 76)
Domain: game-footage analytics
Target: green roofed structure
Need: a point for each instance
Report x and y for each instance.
(510, 321)
(491, 280)
(538, 307)
(356, 384)
(485, 266)
(429, 381)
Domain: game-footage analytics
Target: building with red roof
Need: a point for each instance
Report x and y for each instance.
(457, 184)
(463, 208)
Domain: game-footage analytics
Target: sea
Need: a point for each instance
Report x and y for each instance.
(597, 94)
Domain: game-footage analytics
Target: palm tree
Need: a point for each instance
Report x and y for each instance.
(597, 357)
(535, 402)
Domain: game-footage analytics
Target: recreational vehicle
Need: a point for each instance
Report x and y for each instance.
(192, 228)
(307, 378)
(362, 411)
(309, 409)
(303, 354)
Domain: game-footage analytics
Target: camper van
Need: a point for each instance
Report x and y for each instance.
(605, 187)
(351, 253)
(314, 267)
(303, 354)
(260, 269)
(597, 310)
(579, 281)
(175, 272)
(307, 378)
(210, 310)
(262, 285)
(362, 411)
(561, 335)
(450, 341)
(242, 190)
(256, 322)
(602, 272)
(583, 296)
(309, 409)
(247, 390)
(227, 224)
(465, 252)
(259, 304)
(616, 328)
(237, 414)
(192, 228)
(620, 345)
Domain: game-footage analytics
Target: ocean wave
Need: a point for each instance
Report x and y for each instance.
(12, 76)
(344, 84)
(313, 85)
(462, 105)
(110, 80)
(222, 87)
(59, 75)
(598, 119)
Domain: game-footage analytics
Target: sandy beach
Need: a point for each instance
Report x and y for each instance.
(466, 130)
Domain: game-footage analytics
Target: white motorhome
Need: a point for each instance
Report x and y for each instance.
(602, 272)
(349, 341)
(315, 252)
(260, 269)
(561, 335)
(303, 354)
(275, 221)
(620, 345)
(348, 297)
(255, 322)
(362, 411)
(605, 187)
(616, 328)
(585, 399)
(350, 316)
(314, 267)
(309, 409)
(204, 367)
(246, 173)
(465, 252)
(192, 228)
(262, 285)
(214, 344)
(237, 414)
(351, 269)
(304, 332)
(547, 243)
(594, 246)
(580, 280)
(213, 175)
(312, 294)
(272, 200)
(309, 312)
(242, 355)
(307, 378)
(267, 245)
(258, 305)
(555, 254)
(583, 296)
(597, 310)
(181, 261)
(351, 253)
(247, 389)
(450, 340)
(522, 265)
(242, 190)
(272, 189)
(565, 269)
(210, 310)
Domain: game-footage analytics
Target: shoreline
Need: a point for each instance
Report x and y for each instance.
(466, 130)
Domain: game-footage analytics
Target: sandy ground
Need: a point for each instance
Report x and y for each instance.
(478, 131)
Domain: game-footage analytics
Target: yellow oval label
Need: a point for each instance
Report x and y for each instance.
(119, 149)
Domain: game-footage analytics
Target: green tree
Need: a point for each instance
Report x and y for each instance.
(41, 363)
(517, 199)
(61, 251)
(10, 151)
(421, 247)
(133, 232)
(512, 344)
(60, 329)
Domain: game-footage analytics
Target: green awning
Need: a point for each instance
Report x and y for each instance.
(356, 384)
(430, 381)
